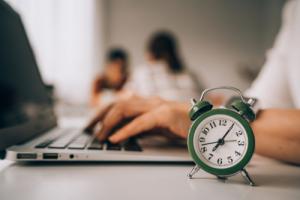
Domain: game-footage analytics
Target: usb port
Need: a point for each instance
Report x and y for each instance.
(26, 156)
(50, 156)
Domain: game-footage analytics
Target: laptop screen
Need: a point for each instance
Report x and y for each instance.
(25, 106)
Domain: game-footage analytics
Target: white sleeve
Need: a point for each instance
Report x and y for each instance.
(139, 81)
(271, 86)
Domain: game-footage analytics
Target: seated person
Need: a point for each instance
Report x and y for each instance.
(277, 127)
(164, 74)
(112, 80)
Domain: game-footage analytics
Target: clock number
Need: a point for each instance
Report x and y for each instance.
(219, 161)
(203, 149)
(222, 122)
(237, 153)
(241, 143)
(212, 124)
(210, 156)
(202, 139)
(229, 159)
(205, 131)
(238, 133)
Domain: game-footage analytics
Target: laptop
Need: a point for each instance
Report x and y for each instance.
(28, 124)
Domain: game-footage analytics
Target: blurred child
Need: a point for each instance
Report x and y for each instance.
(106, 86)
(164, 74)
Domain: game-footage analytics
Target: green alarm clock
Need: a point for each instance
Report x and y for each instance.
(221, 140)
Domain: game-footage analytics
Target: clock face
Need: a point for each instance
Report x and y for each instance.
(220, 141)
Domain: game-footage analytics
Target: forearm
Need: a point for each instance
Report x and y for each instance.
(277, 134)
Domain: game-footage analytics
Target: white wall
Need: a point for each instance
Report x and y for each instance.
(66, 37)
(216, 37)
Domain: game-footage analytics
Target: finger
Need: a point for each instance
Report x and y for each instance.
(99, 117)
(141, 124)
(117, 114)
(113, 117)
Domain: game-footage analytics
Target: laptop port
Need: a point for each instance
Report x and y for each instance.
(50, 156)
(26, 156)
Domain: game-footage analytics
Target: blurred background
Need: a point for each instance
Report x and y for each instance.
(222, 42)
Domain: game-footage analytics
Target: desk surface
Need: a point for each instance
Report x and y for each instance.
(136, 181)
(105, 181)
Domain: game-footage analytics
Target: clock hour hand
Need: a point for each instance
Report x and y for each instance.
(217, 145)
(221, 141)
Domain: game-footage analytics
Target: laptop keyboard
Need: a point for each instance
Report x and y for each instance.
(80, 142)
(85, 141)
(62, 142)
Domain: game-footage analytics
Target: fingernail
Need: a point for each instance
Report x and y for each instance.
(112, 139)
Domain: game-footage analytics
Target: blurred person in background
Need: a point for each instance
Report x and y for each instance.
(277, 127)
(164, 74)
(107, 85)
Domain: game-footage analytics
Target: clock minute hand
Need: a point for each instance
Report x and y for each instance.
(227, 131)
(220, 141)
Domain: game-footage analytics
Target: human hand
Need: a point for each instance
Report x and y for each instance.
(147, 114)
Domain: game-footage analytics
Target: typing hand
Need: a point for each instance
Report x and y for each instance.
(147, 114)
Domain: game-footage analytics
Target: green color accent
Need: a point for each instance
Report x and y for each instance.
(199, 108)
(244, 109)
(227, 171)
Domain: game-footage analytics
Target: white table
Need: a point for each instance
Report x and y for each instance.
(139, 181)
(104, 181)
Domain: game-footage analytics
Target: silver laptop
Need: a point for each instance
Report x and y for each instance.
(28, 128)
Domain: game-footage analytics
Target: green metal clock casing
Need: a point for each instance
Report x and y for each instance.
(236, 167)
(220, 140)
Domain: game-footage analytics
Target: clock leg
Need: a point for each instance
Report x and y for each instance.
(195, 169)
(222, 178)
(247, 177)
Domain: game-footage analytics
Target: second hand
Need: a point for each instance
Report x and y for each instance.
(217, 142)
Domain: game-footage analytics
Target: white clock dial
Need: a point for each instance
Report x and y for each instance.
(221, 141)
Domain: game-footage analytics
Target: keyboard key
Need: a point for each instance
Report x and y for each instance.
(95, 145)
(44, 144)
(80, 142)
(48, 141)
(113, 147)
(62, 142)
(132, 145)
